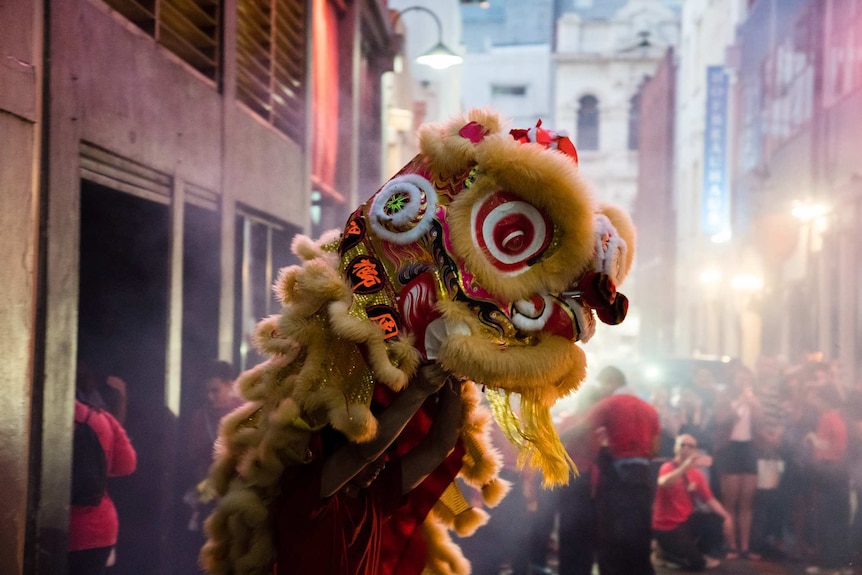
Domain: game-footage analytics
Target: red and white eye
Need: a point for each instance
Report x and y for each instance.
(510, 231)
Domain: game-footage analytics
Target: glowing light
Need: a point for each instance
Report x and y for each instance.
(721, 237)
(807, 211)
(710, 276)
(652, 373)
(439, 57)
(746, 282)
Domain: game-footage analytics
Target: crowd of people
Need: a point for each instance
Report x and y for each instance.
(785, 442)
(766, 465)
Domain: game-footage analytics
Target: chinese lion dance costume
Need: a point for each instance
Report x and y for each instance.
(486, 253)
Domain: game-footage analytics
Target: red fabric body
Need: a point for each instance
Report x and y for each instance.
(673, 502)
(336, 535)
(92, 527)
(404, 550)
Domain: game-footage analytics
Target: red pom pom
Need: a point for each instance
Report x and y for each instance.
(474, 131)
(616, 312)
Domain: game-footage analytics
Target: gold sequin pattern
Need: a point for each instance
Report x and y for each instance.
(353, 375)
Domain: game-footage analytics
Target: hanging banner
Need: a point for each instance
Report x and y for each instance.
(715, 198)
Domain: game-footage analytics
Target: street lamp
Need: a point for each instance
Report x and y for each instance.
(440, 56)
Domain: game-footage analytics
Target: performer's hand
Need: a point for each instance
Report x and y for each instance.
(429, 379)
(116, 383)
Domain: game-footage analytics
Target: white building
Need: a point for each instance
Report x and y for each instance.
(513, 79)
(604, 50)
(708, 29)
(508, 59)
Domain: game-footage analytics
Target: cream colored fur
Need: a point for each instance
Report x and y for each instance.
(297, 391)
(626, 228)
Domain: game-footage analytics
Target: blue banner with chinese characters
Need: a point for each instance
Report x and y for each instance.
(715, 199)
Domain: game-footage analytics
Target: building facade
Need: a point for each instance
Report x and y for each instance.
(158, 157)
(654, 211)
(797, 180)
(507, 62)
(603, 53)
(703, 322)
(780, 275)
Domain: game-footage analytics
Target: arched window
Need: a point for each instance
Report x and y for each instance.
(634, 120)
(588, 123)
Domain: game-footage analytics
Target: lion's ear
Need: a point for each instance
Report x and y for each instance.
(625, 229)
(450, 147)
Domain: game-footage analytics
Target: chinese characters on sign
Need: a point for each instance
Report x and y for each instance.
(715, 197)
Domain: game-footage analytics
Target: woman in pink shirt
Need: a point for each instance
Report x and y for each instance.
(93, 529)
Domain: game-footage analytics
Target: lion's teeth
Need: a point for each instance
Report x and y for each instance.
(527, 317)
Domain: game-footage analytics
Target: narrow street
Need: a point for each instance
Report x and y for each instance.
(741, 567)
(727, 567)
(744, 567)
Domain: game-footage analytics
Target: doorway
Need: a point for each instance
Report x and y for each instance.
(122, 332)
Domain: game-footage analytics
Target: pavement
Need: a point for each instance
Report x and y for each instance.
(728, 567)
(747, 567)
(743, 567)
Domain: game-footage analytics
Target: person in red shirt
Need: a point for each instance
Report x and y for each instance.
(687, 537)
(332, 511)
(627, 433)
(831, 480)
(93, 529)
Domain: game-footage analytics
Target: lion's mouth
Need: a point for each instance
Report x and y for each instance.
(572, 314)
(562, 315)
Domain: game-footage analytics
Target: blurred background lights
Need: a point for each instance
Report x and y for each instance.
(721, 237)
(710, 276)
(652, 373)
(746, 282)
(440, 57)
(807, 211)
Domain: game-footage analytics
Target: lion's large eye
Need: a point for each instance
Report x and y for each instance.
(510, 231)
